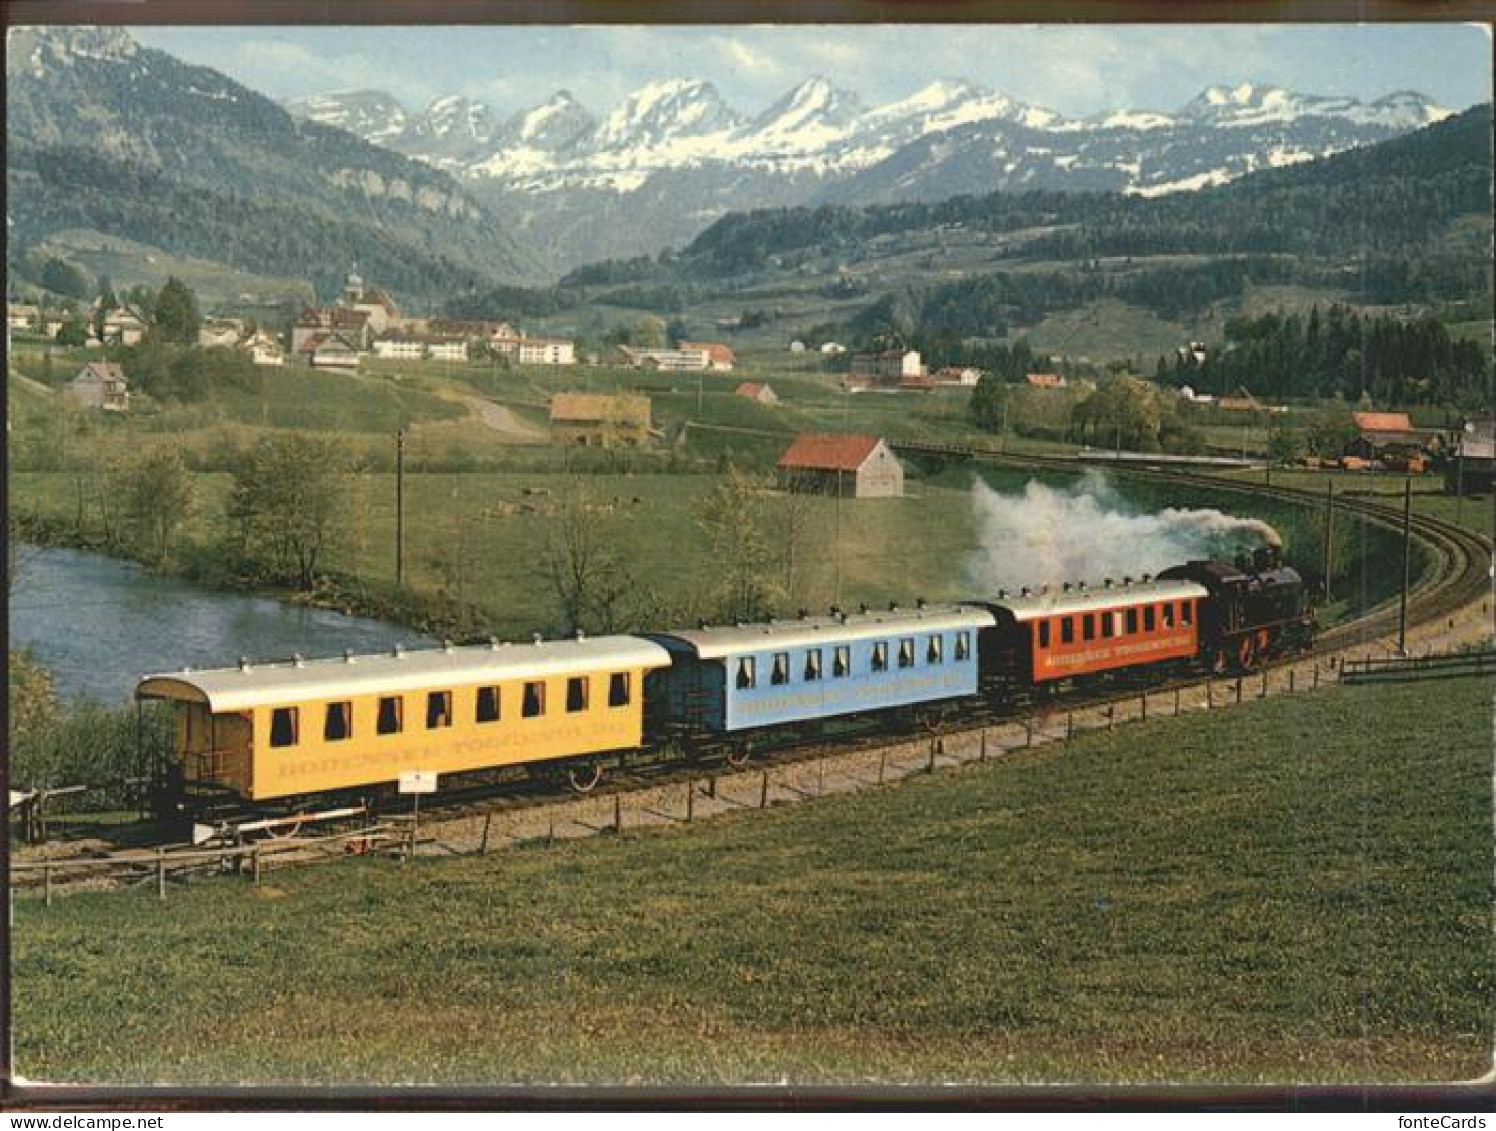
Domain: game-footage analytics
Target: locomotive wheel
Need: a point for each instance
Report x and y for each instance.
(584, 778)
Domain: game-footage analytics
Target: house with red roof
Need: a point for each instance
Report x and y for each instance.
(757, 391)
(851, 466)
(718, 356)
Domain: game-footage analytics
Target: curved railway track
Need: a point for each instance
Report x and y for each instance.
(1460, 576)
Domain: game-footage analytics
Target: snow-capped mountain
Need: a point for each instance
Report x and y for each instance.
(816, 127)
(673, 156)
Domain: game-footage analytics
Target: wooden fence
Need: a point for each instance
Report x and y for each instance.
(1396, 669)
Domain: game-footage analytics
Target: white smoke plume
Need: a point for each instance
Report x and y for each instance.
(1086, 532)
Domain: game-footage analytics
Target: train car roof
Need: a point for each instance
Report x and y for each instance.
(1057, 602)
(254, 685)
(713, 643)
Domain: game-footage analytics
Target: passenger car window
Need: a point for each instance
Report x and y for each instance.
(1067, 630)
(487, 708)
(534, 704)
(576, 693)
(1132, 620)
(906, 653)
(1168, 612)
(934, 650)
(283, 722)
(391, 714)
(1149, 619)
(746, 675)
(841, 661)
(1088, 627)
(618, 689)
(438, 710)
(880, 656)
(812, 665)
(339, 722)
(1108, 625)
(780, 673)
(963, 645)
(1186, 612)
(1043, 634)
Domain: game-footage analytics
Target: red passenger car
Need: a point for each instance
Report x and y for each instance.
(1073, 632)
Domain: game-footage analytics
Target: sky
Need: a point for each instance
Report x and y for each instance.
(1076, 70)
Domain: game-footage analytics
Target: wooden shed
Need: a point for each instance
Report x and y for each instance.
(599, 419)
(858, 467)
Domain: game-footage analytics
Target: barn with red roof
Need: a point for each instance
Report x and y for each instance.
(856, 467)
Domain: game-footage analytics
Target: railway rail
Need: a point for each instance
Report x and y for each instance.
(1460, 577)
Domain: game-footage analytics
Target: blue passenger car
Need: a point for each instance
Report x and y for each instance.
(733, 679)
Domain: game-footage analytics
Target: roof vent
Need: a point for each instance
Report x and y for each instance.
(1147, 577)
(446, 645)
(398, 651)
(1066, 587)
(1002, 594)
(493, 643)
(298, 659)
(347, 655)
(862, 607)
(1025, 591)
(738, 623)
(804, 613)
(843, 617)
(835, 611)
(701, 623)
(1108, 583)
(244, 663)
(893, 606)
(1081, 585)
(537, 638)
(581, 635)
(1126, 580)
(919, 602)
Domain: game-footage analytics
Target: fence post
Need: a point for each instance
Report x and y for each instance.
(1238, 688)
(820, 776)
(1143, 698)
(1316, 675)
(763, 790)
(550, 831)
(1290, 680)
(1028, 731)
(1264, 682)
(1069, 724)
(1111, 716)
(483, 844)
(882, 763)
(254, 863)
(930, 764)
(618, 813)
(1176, 701)
(711, 787)
(690, 801)
(160, 873)
(982, 753)
(47, 884)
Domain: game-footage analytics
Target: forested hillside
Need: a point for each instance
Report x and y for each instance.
(105, 135)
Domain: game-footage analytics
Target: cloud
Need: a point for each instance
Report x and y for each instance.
(737, 53)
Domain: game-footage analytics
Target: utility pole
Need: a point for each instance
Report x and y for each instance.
(1402, 608)
(400, 507)
(1459, 483)
(1329, 532)
(1002, 445)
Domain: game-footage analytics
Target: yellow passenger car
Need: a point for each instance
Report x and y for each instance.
(266, 731)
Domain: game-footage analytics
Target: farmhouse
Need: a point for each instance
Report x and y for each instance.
(599, 420)
(22, 315)
(350, 325)
(963, 375)
(887, 368)
(1473, 466)
(124, 326)
(1390, 437)
(263, 348)
(329, 351)
(858, 467)
(101, 384)
(757, 391)
(718, 356)
(226, 332)
(375, 304)
(1045, 380)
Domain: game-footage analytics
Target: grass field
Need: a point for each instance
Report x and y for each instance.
(1295, 890)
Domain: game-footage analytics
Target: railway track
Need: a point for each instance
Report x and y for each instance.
(1460, 577)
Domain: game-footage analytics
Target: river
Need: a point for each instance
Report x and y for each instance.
(99, 624)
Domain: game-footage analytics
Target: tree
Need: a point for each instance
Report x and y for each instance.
(177, 319)
(73, 332)
(731, 518)
(158, 498)
(648, 333)
(107, 303)
(987, 402)
(284, 505)
(62, 277)
(586, 571)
